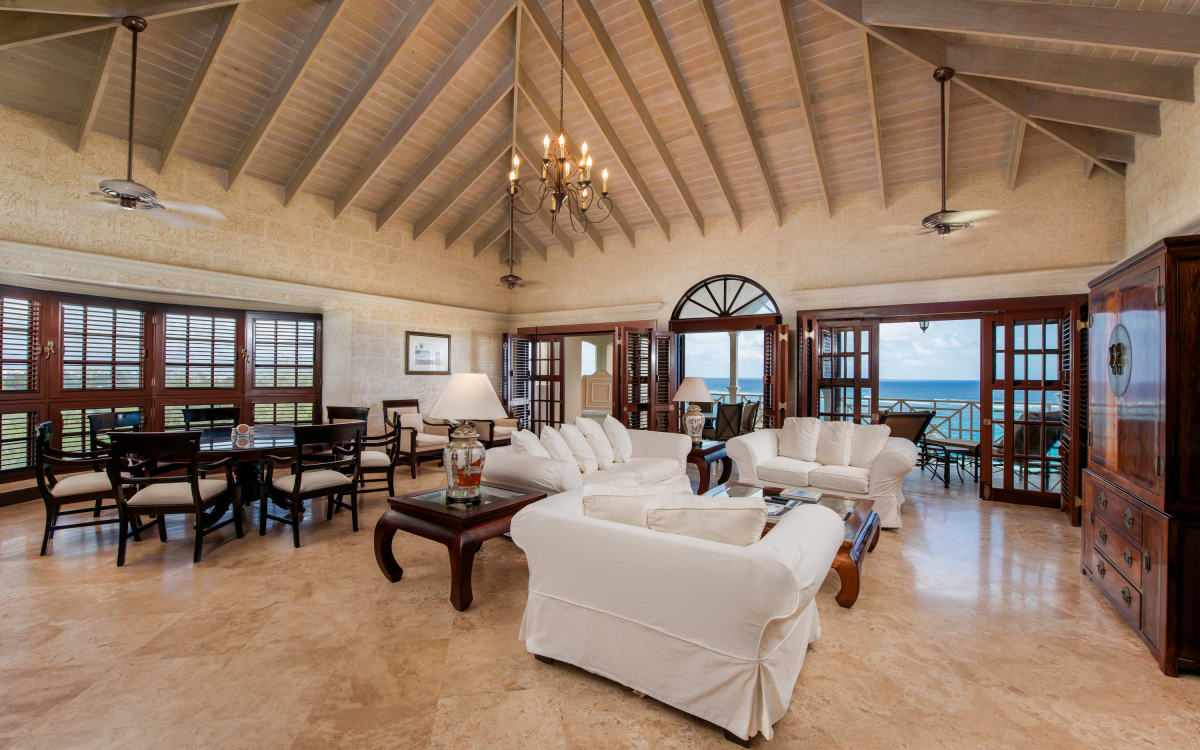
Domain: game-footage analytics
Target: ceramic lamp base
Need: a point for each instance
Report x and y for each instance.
(693, 424)
(463, 457)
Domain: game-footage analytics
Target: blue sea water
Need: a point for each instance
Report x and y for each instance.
(965, 390)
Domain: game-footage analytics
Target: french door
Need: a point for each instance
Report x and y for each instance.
(775, 375)
(533, 380)
(666, 380)
(845, 370)
(633, 398)
(518, 378)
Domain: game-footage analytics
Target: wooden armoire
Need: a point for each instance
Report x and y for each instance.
(1141, 489)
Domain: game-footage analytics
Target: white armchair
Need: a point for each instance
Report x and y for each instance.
(717, 630)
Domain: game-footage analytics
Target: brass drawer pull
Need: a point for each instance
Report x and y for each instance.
(1126, 597)
(1102, 500)
(1128, 558)
(1103, 535)
(1101, 569)
(1128, 517)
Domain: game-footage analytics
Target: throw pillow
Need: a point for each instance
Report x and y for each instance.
(799, 437)
(524, 441)
(833, 446)
(866, 442)
(584, 456)
(729, 520)
(556, 446)
(618, 435)
(620, 504)
(597, 440)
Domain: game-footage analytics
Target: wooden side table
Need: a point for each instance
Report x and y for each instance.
(709, 452)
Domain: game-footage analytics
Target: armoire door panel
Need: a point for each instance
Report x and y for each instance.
(1140, 407)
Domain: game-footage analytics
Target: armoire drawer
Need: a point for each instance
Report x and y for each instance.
(1113, 505)
(1123, 554)
(1123, 594)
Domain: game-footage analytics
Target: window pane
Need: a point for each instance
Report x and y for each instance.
(102, 348)
(283, 413)
(284, 353)
(18, 337)
(16, 440)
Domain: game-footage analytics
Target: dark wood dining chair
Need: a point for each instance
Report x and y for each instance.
(380, 457)
(212, 416)
(176, 494)
(335, 414)
(332, 475)
(101, 424)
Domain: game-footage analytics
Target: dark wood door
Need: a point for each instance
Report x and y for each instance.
(845, 370)
(546, 382)
(666, 380)
(518, 386)
(634, 395)
(775, 375)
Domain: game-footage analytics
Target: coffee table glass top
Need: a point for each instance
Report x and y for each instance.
(843, 506)
(490, 497)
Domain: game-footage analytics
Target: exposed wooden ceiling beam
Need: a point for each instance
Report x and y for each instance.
(1097, 74)
(1088, 168)
(929, 48)
(184, 113)
(476, 212)
(592, 105)
(270, 113)
(496, 153)
(1176, 33)
(713, 24)
(529, 238)
(876, 130)
(663, 47)
(95, 8)
(1014, 155)
(498, 229)
(531, 162)
(550, 121)
(499, 90)
(637, 102)
(1107, 114)
(801, 83)
(96, 90)
(418, 13)
(20, 28)
(487, 24)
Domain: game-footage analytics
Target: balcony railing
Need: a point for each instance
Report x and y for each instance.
(957, 419)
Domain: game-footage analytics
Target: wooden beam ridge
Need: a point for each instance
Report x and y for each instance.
(418, 13)
(743, 109)
(183, 115)
(497, 152)
(270, 113)
(1009, 96)
(21, 28)
(529, 161)
(876, 130)
(1170, 33)
(496, 92)
(590, 103)
(1095, 74)
(1014, 156)
(497, 230)
(663, 47)
(549, 119)
(1088, 168)
(613, 57)
(477, 212)
(796, 68)
(486, 25)
(96, 90)
(1107, 114)
(529, 238)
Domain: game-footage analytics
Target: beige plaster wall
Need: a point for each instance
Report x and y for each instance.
(1162, 186)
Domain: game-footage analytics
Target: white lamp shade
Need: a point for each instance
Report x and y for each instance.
(468, 395)
(693, 389)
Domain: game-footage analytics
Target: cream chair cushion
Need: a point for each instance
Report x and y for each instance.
(840, 478)
(556, 446)
(524, 441)
(867, 442)
(597, 441)
(787, 471)
(375, 459)
(311, 481)
(621, 503)
(82, 484)
(833, 446)
(584, 455)
(618, 436)
(502, 432)
(799, 437)
(728, 520)
(177, 493)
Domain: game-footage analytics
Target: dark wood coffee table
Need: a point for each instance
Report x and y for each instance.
(862, 530)
(462, 527)
(703, 457)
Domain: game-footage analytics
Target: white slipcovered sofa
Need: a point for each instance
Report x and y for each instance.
(659, 458)
(717, 630)
(841, 458)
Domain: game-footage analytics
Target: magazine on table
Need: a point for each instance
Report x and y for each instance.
(804, 496)
(776, 509)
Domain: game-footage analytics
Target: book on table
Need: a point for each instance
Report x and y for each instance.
(804, 496)
(776, 510)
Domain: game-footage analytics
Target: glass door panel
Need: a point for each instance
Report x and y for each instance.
(847, 370)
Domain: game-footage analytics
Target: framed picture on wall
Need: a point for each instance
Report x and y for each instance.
(426, 353)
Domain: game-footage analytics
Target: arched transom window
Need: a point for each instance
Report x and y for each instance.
(725, 296)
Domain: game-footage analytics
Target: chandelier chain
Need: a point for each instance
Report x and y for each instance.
(562, 57)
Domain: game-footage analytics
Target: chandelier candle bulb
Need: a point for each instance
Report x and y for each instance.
(603, 181)
(546, 145)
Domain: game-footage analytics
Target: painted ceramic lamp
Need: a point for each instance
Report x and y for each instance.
(694, 391)
(466, 397)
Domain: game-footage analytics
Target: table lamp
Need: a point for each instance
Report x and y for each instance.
(693, 390)
(467, 396)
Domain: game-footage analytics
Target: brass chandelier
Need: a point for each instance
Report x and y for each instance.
(566, 183)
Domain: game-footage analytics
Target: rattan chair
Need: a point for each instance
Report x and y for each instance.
(332, 475)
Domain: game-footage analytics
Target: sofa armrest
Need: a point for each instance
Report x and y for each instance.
(893, 463)
(652, 444)
(751, 449)
(805, 541)
(506, 466)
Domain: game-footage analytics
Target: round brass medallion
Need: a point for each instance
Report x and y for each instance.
(1119, 361)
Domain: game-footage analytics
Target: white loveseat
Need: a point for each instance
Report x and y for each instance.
(841, 458)
(717, 630)
(659, 458)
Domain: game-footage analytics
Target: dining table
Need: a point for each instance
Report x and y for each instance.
(250, 450)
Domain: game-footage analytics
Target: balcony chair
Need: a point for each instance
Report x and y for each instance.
(212, 416)
(750, 417)
(729, 421)
(332, 476)
(420, 440)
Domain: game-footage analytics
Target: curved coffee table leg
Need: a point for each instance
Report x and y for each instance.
(701, 469)
(385, 531)
(726, 469)
(848, 571)
(875, 535)
(462, 558)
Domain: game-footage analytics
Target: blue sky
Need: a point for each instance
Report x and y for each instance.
(949, 350)
(706, 355)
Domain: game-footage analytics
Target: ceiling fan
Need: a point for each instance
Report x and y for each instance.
(130, 195)
(946, 221)
(510, 280)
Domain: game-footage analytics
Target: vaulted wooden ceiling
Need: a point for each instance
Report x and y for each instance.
(702, 110)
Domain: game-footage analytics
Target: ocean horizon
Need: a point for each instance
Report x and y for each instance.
(916, 390)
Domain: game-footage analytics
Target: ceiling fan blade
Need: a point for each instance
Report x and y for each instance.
(173, 220)
(968, 217)
(197, 209)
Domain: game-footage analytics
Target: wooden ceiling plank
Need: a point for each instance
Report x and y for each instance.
(418, 13)
(497, 230)
(1097, 74)
(487, 24)
(663, 47)
(21, 28)
(1009, 96)
(590, 103)
(1170, 33)
(96, 91)
(499, 90)
(110, 9)
(713, 24)
(183, 115)
(477, 212)
(1107, 114)
(497, 152)
(1014, 156)
(876, 130)
(801, 83)
(635, 100)
(529, 162)
(333, 8)
(529, 238)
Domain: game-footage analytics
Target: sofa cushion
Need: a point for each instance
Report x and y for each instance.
(840, 478)
(798, 438)
(619, 503)
(729, 520)
(597, 440)
(556, 446)
(833, 446)
(656, 470)
(524, 441)
(866, 443)
(584, 455)
(618, 435)
(786, 471)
